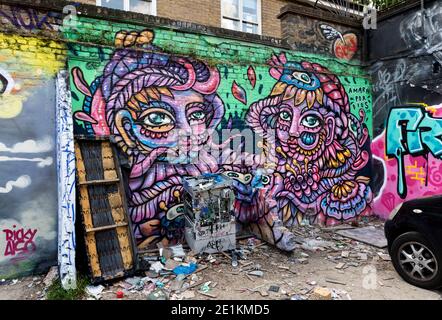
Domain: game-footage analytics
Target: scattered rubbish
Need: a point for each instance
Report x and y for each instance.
(256, 273)
(337, 294)
(263, 293)
(383, 256)
(208, 294)
(253, 242)
(315, 245)
(158, 294)
(171, 264)
(177, 251)
(157, 266)
(176, 285)
(338, 227)
(352, 264)
(340, 266)
(183, 269)
(135, 283)
(151, 258)
(335, 281)
(362, 256)
(250, 278)
(188, 295)
(246, 264)
(193, 278)
(95, 291)
(51, 276)
(205, 287)
(234, 259)
(345, 254)
(304, 255)
(297, 297)
(15, 281)
(313, 283)
(321, 293)
(302, 260)
(209, 204)
(120, 294)
(274, 288)
(369, 235)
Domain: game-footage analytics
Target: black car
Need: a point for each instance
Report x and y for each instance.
(414, 235)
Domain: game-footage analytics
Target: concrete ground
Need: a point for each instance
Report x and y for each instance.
(346, 268)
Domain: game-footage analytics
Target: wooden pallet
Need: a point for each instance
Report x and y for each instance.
(110, 245)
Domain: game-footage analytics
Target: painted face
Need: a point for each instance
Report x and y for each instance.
(302, 131)
(174, 122)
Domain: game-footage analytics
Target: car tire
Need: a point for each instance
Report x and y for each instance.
(413, 264)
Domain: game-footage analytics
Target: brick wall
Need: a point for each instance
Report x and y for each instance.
(315, 30)
(208, 12)
(270, 9)
(197, 11)
(138, 78)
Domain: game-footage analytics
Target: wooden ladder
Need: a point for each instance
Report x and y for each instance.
(109, 240)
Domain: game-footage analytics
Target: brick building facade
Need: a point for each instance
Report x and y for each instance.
(208, 12)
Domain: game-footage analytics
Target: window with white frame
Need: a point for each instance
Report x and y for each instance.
(140, 6)
(241, 15)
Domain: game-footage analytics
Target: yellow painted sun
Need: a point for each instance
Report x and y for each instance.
(10, 106)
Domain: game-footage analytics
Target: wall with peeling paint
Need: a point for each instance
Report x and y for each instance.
(406, 70)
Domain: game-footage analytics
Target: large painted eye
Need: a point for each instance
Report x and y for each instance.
(265, 180)
(310, 121)
(284, 115)
(157, 119)
(197, 116)
(232, 174)
(302, 76)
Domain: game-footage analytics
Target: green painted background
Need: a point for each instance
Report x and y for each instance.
(91, 46)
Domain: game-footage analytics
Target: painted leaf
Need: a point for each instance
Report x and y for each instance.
(83, 116)
(252, 76)
(239, 93)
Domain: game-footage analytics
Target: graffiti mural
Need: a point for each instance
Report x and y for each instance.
(19, 243)
(345, 45)
(26, 18)
(165, 113)
(66, 184)
(406, 82)
(28, 180)
(319, 145)
(409, 150)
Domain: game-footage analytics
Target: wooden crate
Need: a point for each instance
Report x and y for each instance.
(109, 241)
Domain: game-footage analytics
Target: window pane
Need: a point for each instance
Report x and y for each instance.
(231, 8)
(114, 4)
(250, 10)
(248, 27)
(140, 6)
(231, 24)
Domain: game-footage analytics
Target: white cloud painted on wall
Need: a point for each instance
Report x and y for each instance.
(21, 182)
(41, 162)
(29, 146)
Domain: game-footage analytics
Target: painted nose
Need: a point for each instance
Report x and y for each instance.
(294, 129)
